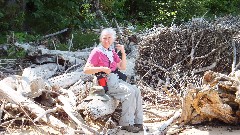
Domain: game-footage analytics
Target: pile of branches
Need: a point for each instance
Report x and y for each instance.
(179, 55)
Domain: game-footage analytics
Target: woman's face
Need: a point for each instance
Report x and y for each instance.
(106, 40)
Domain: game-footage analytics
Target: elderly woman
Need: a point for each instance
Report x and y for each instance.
(104, 61)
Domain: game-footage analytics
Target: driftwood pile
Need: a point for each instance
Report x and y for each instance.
(47, 93)
(181, 54)
(52, 91)
(197, 62)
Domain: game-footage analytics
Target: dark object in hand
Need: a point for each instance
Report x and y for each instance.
(120, 75)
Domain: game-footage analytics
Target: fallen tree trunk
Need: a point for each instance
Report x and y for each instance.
(96, 108)
(72, 57)
(44, 71)
(28, 88)
(68, 79)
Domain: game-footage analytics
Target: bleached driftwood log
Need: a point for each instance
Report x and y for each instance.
(11, 81)
(68, 79)
(97, 108)
(15, 97)
(72, 57)
(29, 88)
(44, 71)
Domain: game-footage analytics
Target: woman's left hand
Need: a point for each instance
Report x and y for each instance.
(120, 48)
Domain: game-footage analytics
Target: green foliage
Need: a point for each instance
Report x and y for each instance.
(85, 39)
(3, 39)
(53, 15)
(87, 17)
(188, 9)
(148, 13)
(11, 16)
(114, 8)
(222, 7)
(14, 52)
(59, 46)
(24, 37)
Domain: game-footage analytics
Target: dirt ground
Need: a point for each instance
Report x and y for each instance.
(211, 128)
(208, 128)
(189, 130)
(197, 130)
(154, 117)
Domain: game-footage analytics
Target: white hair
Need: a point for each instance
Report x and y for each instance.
(110, 31)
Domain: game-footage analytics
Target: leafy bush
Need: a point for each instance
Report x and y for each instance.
(85, 39)
(25, 37)
(14, 52)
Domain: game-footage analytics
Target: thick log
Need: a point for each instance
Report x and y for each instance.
(30, 88)
(208, 104)
(11, 81)
(15, 97)
(72, 57)
(44, 71)
(187, 108)
(68, 79)
(97, 108)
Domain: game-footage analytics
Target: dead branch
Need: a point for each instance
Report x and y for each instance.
(46, 113)
(77, 118)
(1, 110)
(56, 33)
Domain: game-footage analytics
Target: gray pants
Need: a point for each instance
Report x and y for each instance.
(130, 97)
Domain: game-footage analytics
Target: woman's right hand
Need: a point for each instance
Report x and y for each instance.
(106, 70)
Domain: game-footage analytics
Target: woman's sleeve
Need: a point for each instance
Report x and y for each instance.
(116, 57)
(93, 57)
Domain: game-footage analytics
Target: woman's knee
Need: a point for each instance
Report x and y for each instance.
(136, 89)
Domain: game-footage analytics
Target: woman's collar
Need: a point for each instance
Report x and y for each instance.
(105, 49)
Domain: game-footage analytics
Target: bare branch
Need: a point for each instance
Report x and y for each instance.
(56, 33)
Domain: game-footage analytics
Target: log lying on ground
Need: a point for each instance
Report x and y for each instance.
(96, 108)
(72, 57)
(29, 88)
(15, 97)
(68, 79)
(162, 130)
(44, 71)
